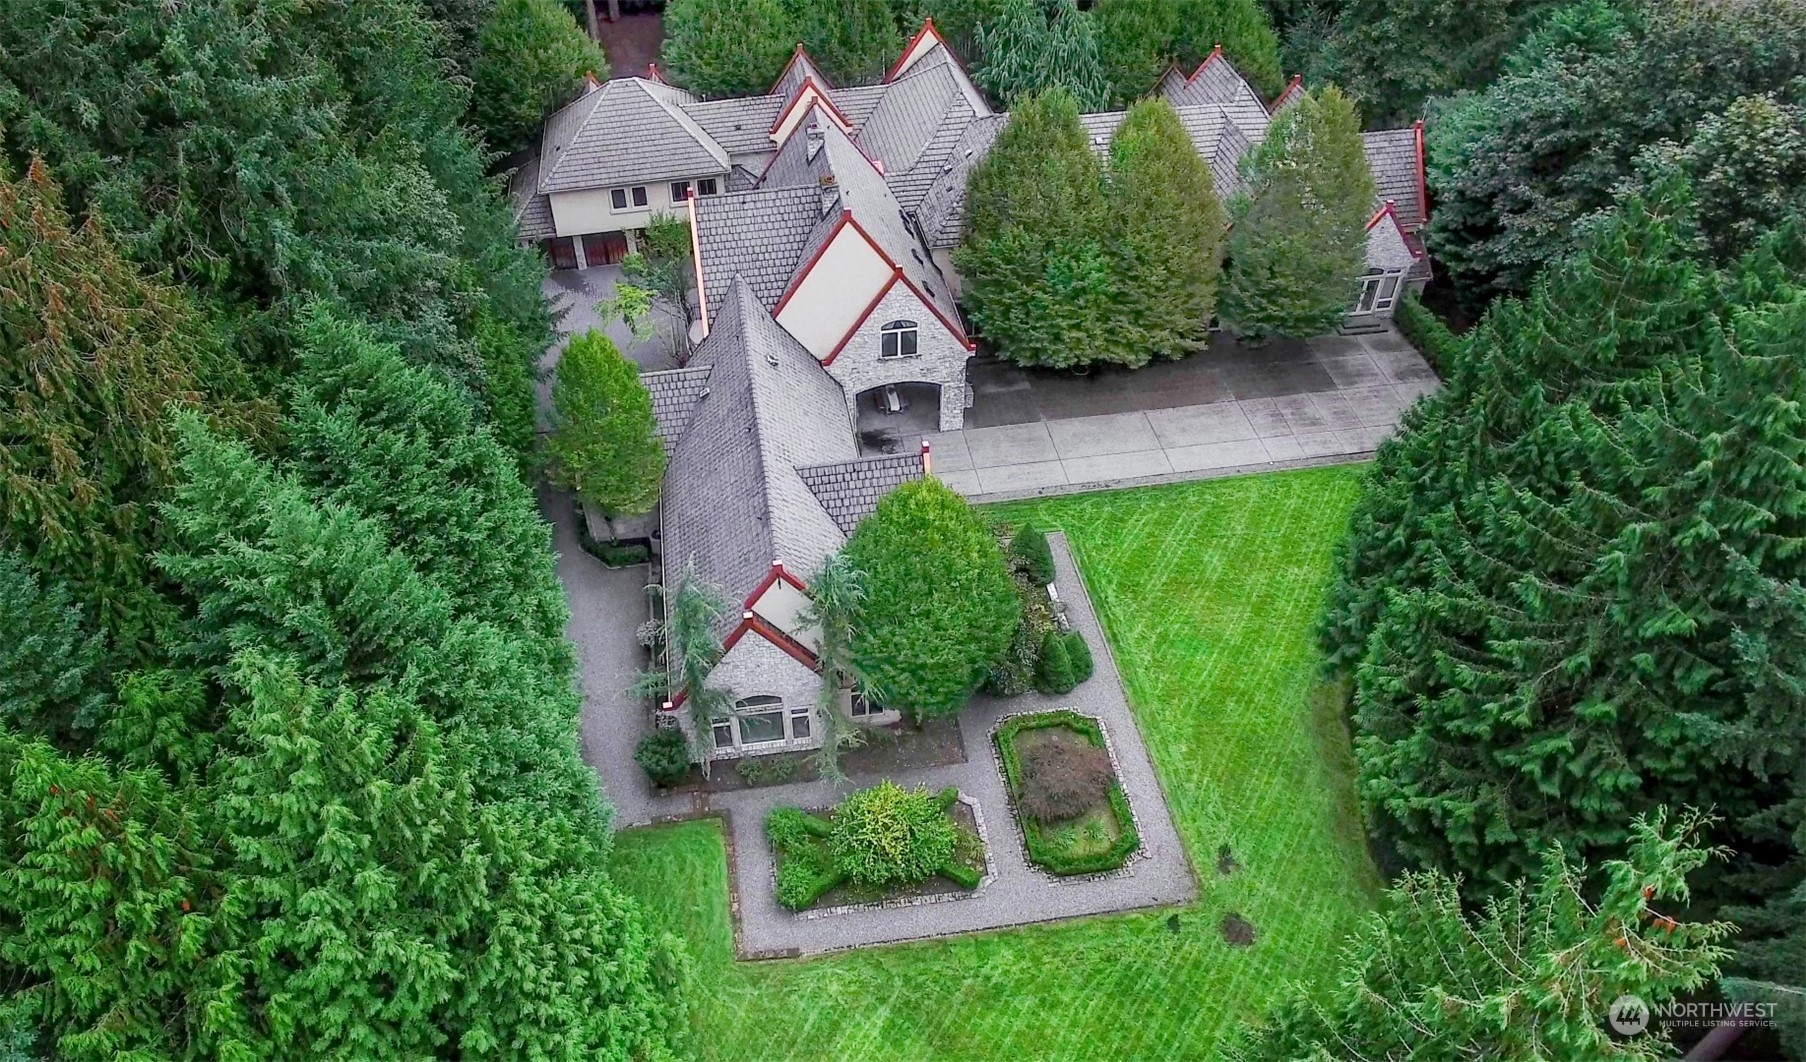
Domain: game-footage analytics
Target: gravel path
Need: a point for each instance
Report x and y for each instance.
(605, 608)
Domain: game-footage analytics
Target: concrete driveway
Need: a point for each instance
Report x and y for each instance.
(1231, 408)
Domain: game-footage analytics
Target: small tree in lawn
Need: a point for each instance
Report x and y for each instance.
(728, 47)
(532, 55)
(604, 445)
(1532, 976)
(939, 604)
(1166, 240)
(835, 595)
(666, 269)
(1036, 271)
(1300, 237)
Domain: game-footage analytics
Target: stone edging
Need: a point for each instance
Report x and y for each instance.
(990, 874)
(1141, 846)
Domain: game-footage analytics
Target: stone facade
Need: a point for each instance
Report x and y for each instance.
(755, 667)
(940, 357)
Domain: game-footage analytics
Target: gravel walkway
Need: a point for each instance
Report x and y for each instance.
(606, 606)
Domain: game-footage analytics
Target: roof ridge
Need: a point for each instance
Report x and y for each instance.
(677, 113)
(594, 98)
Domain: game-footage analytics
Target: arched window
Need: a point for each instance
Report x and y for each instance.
(761, 719)
(897, 339)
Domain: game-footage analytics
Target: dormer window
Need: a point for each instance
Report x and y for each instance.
(897, 339)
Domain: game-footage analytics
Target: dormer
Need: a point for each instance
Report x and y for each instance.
(809, 97)
(799, 69)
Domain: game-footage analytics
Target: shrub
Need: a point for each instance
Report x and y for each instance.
(1078, 650)
(889, 835)
(1428, 334)
(800, 883)
(1042, 851)
(1030, 551)
(1053, 673)
(664, 755)
(962, 875)
(1064, 777)
(761, 770)
(1013, 673)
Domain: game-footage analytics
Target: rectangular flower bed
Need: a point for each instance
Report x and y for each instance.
(818, 867)
(1063, 788)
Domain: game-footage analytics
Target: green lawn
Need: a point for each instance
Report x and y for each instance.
(1209, 592)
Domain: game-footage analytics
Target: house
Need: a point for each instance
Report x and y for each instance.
(824, 220)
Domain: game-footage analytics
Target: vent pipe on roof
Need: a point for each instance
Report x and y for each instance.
(830, 193)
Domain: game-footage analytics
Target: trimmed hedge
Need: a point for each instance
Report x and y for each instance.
(1033, 556)
(1078, 650)
(1040, 852)
(1439, 346)
(960, 874)
(664, 755)
(1053, 671)
(805, 873)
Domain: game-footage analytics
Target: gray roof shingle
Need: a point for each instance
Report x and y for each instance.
(756, 235)
(733, 500)
(915, 127)
(741, 126)
(850, 490)
(1217, 83)
(629, 131)
(1392, 156)
(942, 210)
(675, 393)
(532, 209)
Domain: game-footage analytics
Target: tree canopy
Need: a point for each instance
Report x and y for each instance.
(1300, 236)
(604, 445)
(938, 605)
(1031, 47)
(728, 47)
(533, 56)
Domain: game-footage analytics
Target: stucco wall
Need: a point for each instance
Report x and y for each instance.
(590, 210)
(841, 283)
(941, 357)
(783, 605)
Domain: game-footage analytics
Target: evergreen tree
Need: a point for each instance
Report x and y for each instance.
(728, 47)
(693, 618)
(939, 605)
(1300, 238)
(1165, 237)
(1573, 590)
(532, 58)
(1136, 40)
(1245, 33)
(1030, 48)
(1516, 169)
(956, 21)
(604, 444)
(1747, 167)
(97, 356)
(51, 681)
(460, 25)
(853, 41)
(1532, 976)
(835, 596)
(1036, 272)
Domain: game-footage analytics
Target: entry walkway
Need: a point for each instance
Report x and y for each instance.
(1232, 408)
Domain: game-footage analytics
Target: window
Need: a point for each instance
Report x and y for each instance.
(680, 191)
(708, 186)
(861, 706)
(1378, 292)
(801, 719)
(897, 340)
(761, 719)
(724, 733)
(639, 195)
(618, 198)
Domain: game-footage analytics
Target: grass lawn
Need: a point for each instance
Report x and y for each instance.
(1209, 592)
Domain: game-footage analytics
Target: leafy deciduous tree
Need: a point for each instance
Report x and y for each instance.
(728, 47)
(1245, 33)
(604, 444)
(533, 56)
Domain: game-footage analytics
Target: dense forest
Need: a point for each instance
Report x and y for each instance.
(288, 760)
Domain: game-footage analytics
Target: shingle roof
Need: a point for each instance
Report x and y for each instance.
(675, 393)
(914, 128)
(796, 71)
(741, 126)
(850, 490)
(1392, 156)
(1216, 83)
(941, 214)
(757, 235)
(629, 131)
(532, 210)
(733, 501)
(857, 102)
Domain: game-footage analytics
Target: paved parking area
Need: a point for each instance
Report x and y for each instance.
(1230, 408)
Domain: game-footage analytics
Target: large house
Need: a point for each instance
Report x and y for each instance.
(824, 220)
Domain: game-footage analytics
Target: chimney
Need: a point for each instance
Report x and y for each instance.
(813, 136)
(830, 193)
(927, 459)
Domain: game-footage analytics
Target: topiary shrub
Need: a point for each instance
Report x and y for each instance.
(1078, 651)
(664, 755)
(1013, 673)
(1063, 777)
(1030, 551)
(1053, 673)
(888, 835)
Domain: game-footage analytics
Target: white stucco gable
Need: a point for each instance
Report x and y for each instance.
(1387, 247)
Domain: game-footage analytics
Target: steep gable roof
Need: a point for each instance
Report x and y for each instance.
(800, 68)
(1217, 83)
(758, 236)
(1395, 156)
(850, 490)
(675, 393)
(630, 130)
(915, 126)
(734, 502)
(532, 210)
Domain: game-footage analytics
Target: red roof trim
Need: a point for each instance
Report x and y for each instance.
(821, 96)
(799, 53)
(653, 74)
(1390, 210)
(927, 30)
(783, 641)
(1285, 95)
(776, 574)
(958, 332)
(1215, 53)
(803, 273)
(1423, 190)
(896, 274)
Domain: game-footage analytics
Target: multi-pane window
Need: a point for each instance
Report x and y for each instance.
(620, 197)
(861, 706)
(897, 339)
(761, 719)
(1378, 291)
(708, 186)
(680, 191)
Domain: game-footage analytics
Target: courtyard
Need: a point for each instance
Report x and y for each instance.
(1206, 593)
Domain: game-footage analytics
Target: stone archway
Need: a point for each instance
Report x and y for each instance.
(892, 418)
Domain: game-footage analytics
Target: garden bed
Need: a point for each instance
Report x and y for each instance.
(809, 879)
(1065, 793)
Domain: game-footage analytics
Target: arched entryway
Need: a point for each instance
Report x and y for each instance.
(893, 418)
